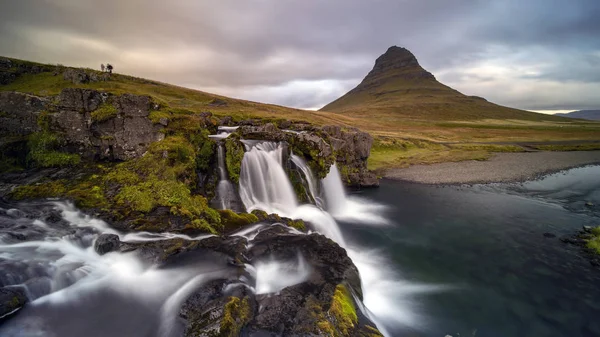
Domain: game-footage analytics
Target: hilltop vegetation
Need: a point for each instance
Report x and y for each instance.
(401, 105)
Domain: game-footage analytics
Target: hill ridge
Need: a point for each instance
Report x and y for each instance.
(398, 85)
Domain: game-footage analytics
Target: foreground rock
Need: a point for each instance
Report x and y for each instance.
(11, 300)
(588, 238)
(239, 304)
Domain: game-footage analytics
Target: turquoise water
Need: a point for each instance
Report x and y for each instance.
(486, 244)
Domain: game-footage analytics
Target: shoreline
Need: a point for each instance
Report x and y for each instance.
(501, 168)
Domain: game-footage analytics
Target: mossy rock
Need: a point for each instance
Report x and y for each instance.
(43, 151)
(232, 221)
(234, 153)
(104, 112)
(236, 314)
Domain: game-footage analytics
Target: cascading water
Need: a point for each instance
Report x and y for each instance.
(264, 185)
(226, 195)
(68, 282)
(310, 179)
(349, 208)
(263, 182)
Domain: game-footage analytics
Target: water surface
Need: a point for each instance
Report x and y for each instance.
(486, 244)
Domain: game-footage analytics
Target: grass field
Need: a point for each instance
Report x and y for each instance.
(412, 128)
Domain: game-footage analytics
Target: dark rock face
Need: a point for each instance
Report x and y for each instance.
(399, 58)
(80, 76)
(11, 300)
(107, 243)
(124, 135)
(19, 113)
(296, 310)
(349, 148)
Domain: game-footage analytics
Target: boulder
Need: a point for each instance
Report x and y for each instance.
(107, 243)
(123, 136)
(79, 100)
(11, 300)
(19, 113)
(76, 76)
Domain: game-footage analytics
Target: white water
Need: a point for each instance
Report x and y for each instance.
(310, 179)
(387, 299)
(349, 208)
(225, 191)
(272, 275)
(263, 182)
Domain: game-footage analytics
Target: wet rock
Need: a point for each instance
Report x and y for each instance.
(226, 121)
(11, 300)
(107, 243)
(295, 310)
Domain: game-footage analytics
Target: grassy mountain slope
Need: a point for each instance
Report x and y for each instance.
(414, 118)
(398, 85)
(417, 119)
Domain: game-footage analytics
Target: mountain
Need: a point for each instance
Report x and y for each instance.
(398, 85)
(582, 114)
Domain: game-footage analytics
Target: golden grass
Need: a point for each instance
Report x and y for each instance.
(419, 115)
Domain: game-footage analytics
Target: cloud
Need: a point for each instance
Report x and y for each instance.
(306, 53)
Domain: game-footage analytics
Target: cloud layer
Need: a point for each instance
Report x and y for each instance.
(537, 54)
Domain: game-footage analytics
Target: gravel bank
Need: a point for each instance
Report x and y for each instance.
(503, 167)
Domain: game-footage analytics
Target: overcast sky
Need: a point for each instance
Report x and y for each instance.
(528, 54)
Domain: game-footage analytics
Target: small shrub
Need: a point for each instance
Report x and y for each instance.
(105, 112)
(42, 151)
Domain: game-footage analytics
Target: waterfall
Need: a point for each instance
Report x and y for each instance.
(263, 182)
(349, 208)
(333, 190)
(264, 185)
(226, 195)
(310, 179)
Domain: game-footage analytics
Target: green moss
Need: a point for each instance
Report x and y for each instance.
(206, 150)
(232, 221)
(236, 314)
(42, 151)
(163, 178)
(156, 116)
(318, 163)
(343, 311)
(43, 190)
(105, 112)
(3, 114)
(201, 225)
(260, 214)
(593, 240)
(298, 224)
(234, 153)
(369, 331)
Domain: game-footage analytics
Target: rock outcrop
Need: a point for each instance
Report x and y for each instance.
(11, 300)
(226, 307)
(321, 147)
(19, 113)
(90, 123)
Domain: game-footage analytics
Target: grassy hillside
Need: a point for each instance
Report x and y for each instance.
(413, 119)
(399, 87)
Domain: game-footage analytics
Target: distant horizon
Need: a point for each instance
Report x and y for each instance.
(547, 112)
(531, 56)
